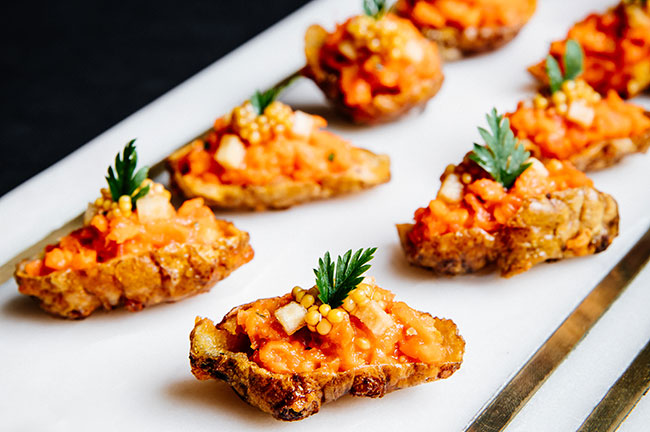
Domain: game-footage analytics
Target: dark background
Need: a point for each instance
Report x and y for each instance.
(70, 69)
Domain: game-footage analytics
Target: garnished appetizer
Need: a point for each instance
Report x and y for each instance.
(501, 206)
(265, 155)
(373, 67)
(134, 250)
(467, 26)
(571, 121)
(617, 49)
(288, 355)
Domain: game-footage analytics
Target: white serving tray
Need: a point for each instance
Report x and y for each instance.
(128, 371)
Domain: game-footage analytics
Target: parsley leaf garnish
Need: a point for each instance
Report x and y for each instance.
(260, 100)
(503, 156)
(122, 180)
(573, 58)
(374, 8)
(334, 285)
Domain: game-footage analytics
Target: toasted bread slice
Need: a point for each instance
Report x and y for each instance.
(370, 170)
(167, 274)
(572, 222)
(218, 352)
(421, 74)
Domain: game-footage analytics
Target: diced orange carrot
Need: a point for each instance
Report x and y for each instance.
(85, 258)
(122, 229)
(56, 259)
(100, 222)
(33, 268)
(427, 14)
(488, 190)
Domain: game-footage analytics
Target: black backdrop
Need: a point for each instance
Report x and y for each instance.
(70, 69)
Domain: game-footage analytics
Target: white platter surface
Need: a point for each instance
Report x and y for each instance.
(127, 371)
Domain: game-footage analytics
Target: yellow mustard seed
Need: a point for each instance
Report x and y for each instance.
(335, 316)
(348, 304)
(466, 178)
(324, 327)
(540, 101)
(295, 290)
(358, 296)
(568, 85)
(307, 301)
(300, 295)
(324, 309)
(312, 318)
(559, 97)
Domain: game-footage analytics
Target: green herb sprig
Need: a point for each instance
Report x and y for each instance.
(260, 100)
(573, 59)
(374, 8)
(334, 285)
(124, 180)
(503, 156)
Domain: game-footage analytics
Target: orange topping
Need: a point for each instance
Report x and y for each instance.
(297, 149)
(413, 336)
(557, 136)
(104, 238)
(486, 204)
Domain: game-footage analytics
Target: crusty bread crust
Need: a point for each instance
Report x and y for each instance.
(573, 222)
(465, 251)
(455, 44)
(215, 353)
(371, 170)
(167, 274)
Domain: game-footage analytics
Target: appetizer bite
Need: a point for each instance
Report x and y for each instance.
(134, 250)
(571, 121)
(265, 155)
(288, 355)
(373, 67)
(617, 49)
(501, 206)
(464, 27)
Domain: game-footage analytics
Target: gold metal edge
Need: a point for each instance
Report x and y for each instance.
(510, 399)
(622, 397)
